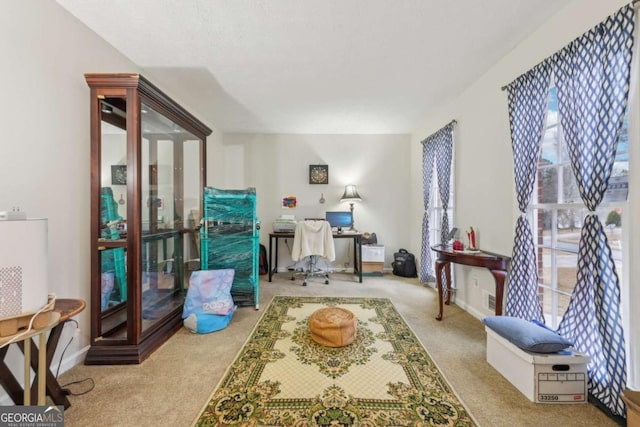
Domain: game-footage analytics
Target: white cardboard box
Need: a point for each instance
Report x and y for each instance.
(372, 268)
(542, 378)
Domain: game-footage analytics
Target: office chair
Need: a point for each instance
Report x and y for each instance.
(313, 239)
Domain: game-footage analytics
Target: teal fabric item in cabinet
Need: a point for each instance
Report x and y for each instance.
(112, 261)
(229, 239)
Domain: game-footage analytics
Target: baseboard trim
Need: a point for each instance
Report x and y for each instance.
(72, 360)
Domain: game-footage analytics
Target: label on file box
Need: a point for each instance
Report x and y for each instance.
(562, 387)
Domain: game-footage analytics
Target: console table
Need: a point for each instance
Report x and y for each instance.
(357, 250)
(8, 381)
(44, 383)
(495, 263)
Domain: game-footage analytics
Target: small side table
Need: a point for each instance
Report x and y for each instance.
(67, 308)
(39, 382)
(64, 309)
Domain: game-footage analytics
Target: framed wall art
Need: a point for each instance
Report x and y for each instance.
(318, 174)
(118, 174)
(289, 202)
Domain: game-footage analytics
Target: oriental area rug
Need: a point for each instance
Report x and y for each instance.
(282, 377)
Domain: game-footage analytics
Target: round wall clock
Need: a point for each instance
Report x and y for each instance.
(318, 174)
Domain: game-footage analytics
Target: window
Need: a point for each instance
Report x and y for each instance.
(435, 208)
(557, 213)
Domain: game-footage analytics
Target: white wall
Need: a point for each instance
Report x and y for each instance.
(45, 141)
(278, 166)
(45, 147)
(485, 190)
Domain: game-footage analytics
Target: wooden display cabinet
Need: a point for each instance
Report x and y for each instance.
(148, 170)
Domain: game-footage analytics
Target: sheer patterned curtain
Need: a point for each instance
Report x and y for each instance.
(426, 262)
(444, 154)
(436, 149)
(592, 76)
(527, 111)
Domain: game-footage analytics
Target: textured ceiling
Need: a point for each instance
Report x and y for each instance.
(303, 66)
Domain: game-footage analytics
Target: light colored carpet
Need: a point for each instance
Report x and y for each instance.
(171, 387)
(283, 377)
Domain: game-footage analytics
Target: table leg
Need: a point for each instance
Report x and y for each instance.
(499, 276)
(8, 381)
(355, 257)
(358, 243)
(53, 389)
(275, 256)
(42, 369)
(439, 266)
(447, 274)
(27, 374)
(270, 262)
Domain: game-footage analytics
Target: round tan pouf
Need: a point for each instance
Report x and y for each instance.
(332, 326)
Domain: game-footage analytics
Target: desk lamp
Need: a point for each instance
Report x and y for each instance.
(351, 195)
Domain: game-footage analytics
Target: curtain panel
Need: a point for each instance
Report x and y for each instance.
(527, 98)
(444, 154)
(437, 151)
(592, 77)
(426, 261)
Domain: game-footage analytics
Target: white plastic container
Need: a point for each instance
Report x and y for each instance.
(23, 266)
(372, 259)
(373, 253)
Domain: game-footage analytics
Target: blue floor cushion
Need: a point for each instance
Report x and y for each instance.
(208, 306)
(203, 323)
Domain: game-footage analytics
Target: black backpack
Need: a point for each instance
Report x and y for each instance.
(262, 261)
(404, 264)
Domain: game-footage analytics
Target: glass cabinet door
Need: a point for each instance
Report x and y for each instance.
(112, 244)
(163, 213)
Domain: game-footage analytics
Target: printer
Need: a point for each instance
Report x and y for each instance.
(285, 224)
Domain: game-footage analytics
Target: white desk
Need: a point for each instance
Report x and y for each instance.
(357, 250)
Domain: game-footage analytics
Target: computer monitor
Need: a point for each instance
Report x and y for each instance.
(339, 219)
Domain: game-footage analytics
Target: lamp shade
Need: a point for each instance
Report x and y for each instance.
(350, 194)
